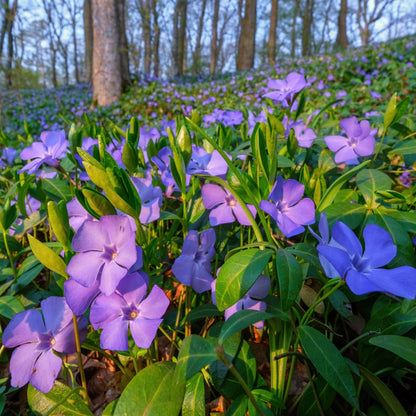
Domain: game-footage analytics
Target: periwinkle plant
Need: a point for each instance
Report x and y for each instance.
(132, 253)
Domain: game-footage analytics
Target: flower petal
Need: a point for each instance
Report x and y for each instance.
(78, 296)
(212, 195)
(343, 235)
(155, 305)
(303, 212)
(111, 275)
(335, 143)
(337, 257)
(240, 214)
(114, 335)
(65, 340)
(105, 309)
(133, 288)
(379, 246)
(118, 229)
(260, 288)
(22, 363)
(269, 208)
(91, 236)
(292, 191)
(46, 371)
(346, 154)
(144, 331)
(56, 313)
(84, 267)
(223, 214)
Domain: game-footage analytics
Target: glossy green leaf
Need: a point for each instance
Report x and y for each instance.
(203, 311)
(407, 147)
(61, 400)
(332, 191)
(382, 393)
(371, 180)
(290, 278)
(194, 399)
(391, 111)
(402, 346)
(326, 396)
(329, 362)
(238, 274)
(10, 306)
(47, 256)
(349, 213)
(185, 144)
(57, 189)
(98, 202)
(240, 320)
(59, 226)
(238, 407)
(154, 391)
(196, 353)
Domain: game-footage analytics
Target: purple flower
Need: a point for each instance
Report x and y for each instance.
(227, 209)
(287, 208)
(205, 163)
(106, 249)
(360, 141)
(193, 266)
(127, 308)
(304, 135)
(285, 89)
(362, 270)
(151, 197)
(251, 300)
(37, 335)
(77, 214)
(52, 147)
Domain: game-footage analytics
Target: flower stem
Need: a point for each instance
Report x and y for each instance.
(79, 354)
(9, 255)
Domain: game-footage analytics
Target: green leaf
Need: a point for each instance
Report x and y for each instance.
(196, 353)
(329, 362)
(98, 202)
(238, 274)
(332, 191)
(34, 219)
(326, 396)
(154, 391)
(402, 346)
(290, 278)
(407, 147)
(47, 256)
(57, 189)
(240, 320)
(349, 213)
(203, 311)
(371, 180)
(382, 393)
(59, 226)
(10, 306)
(61, 400)
(390, 112)
(194, 400)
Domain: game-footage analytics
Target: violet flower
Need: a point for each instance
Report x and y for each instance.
(226, 208)
(204, 163)
(360, 141)
(362, 270)
(77, 214)
(52, 147)
(284, 90)
(288, 209)
(193, 266)
(151, 197)
(127, 308)
(106, 249)
(37, 335)
(304, 135)
(251, 300)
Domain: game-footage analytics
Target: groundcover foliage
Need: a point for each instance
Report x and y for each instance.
(243, 245)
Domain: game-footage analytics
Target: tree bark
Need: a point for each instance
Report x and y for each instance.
(271, 45)
(106, 75)
(214, 38)
(122, 42)
(9, 65)
(307, 26)
(88, 38)
(341, 41)
(293, 31)
(246, 44)
(196, 56)
(145, 14)
(182, 36)
(156, 40)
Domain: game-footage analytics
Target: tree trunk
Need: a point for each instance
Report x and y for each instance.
(144, 9)
(9, 65)
(156, 40)
(182, 37)
(307, 26)
(4, 26)
(106, 74)
(88, 37)
(246, 44)
(293, 31)
(271, 45)
(214, 38)
(196, 56)
(74, 40)
(341, 41)
(122, 42)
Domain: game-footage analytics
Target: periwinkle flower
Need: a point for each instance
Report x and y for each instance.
(284, 90)
(360, 141)
(37, 335)
(304, 135)
(205, 163)
(288, 209)
(251, 300)
(128, 308)
(49, 150)
(193, 266)
(226, 208)
(106, 250)
(77, 214)
(362, 270)
(151, 197)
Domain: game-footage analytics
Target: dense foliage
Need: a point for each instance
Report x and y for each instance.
(214, 245)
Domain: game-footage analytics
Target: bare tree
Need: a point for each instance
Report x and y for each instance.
(341, 41)
(88, 38)
(196, 55)
(366, 18)
(106, 76)
(7, 29)
(145, 14)
(247, 40)
(307, 28)
(293, 29)
(214, 37)
(156, 40)
(271, 45)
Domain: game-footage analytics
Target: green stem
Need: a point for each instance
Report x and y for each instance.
(9, 255)
(79, 354)
(221, 355)
(175, 331)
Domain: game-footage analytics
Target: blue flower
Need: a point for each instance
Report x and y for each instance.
(362, 269)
